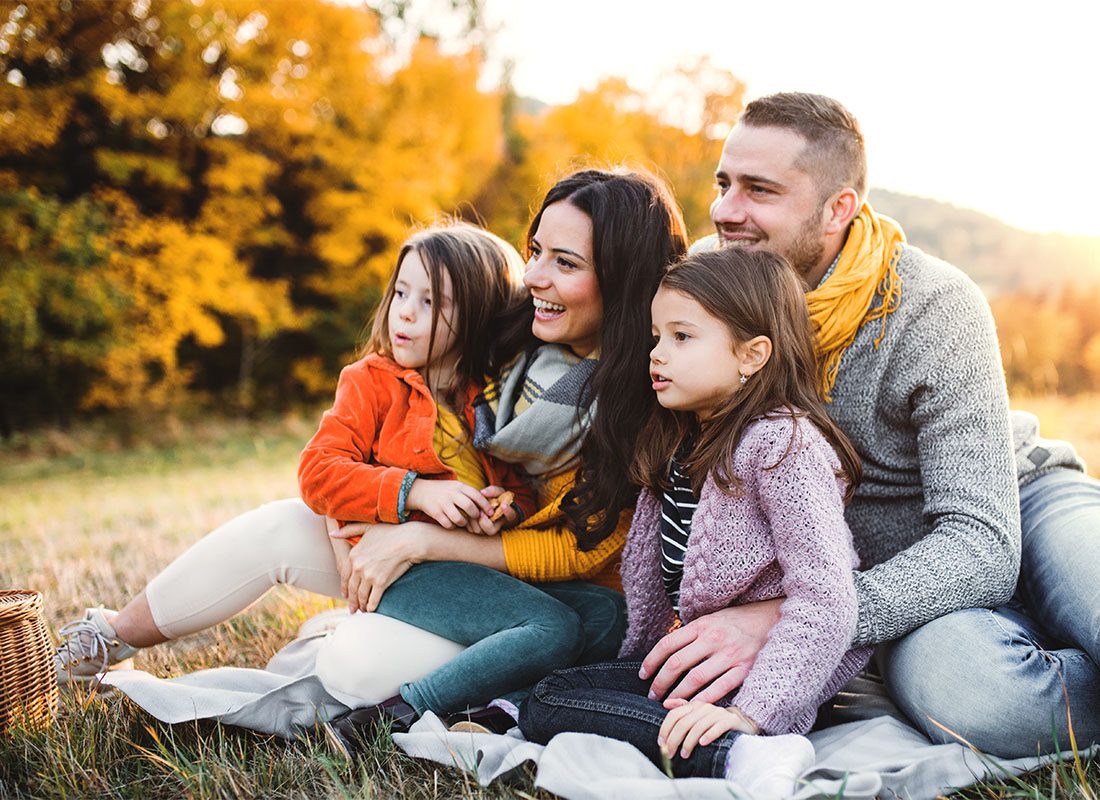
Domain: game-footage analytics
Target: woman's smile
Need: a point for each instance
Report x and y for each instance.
(546, 310)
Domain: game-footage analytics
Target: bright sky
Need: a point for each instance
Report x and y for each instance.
(990, 105)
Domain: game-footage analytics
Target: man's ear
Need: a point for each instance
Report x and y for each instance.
(842, 208)
(754, 354)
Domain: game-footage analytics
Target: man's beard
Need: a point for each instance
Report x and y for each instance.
(806, 251)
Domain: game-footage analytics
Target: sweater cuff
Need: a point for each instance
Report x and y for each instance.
(403, 495)
(865, 633)
(527, 557)
(771, 722)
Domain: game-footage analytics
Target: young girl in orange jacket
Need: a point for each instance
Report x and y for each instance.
(396, 443)
(398, 439)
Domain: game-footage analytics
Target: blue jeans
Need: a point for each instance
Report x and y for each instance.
(515, 632)
(1000, 678)
(610, 699)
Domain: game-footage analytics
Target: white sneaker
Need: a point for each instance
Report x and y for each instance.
(89, 647)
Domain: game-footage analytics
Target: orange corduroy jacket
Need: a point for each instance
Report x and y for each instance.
(380, 428)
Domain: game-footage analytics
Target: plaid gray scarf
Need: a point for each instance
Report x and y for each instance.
(536, 413)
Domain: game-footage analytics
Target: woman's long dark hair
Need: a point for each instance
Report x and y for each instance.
(752, 293)
(637, 231)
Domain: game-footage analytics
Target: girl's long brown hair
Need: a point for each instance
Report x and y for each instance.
(486, 278)
(753, 293)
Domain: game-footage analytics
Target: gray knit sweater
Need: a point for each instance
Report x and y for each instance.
(936, 519)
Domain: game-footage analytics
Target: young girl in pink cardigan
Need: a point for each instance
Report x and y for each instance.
(744, 479)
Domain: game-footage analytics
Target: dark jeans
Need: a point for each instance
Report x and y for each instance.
(611, 700)
(515, 633)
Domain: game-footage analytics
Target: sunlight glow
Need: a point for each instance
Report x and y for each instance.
(989, 106)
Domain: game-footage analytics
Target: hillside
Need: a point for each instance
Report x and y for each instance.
(998, 257)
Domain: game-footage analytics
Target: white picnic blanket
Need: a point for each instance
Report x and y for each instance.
(879, 757)
(862, 759)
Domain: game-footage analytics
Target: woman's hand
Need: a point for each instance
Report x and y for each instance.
(690, 724)
(453, 504)
(426, 541)
(506, 515)
(382, 556)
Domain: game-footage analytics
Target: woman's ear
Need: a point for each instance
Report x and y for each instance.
(754, 354)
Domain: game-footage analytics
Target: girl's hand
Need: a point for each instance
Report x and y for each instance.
(382, 556)
(506, 515)
(452, 504)
(695, 723)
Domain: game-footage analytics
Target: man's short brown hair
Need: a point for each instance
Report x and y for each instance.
(834, 153)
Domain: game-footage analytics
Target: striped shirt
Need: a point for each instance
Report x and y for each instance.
(677, 507)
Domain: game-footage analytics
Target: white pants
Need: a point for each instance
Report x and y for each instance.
(369, 656)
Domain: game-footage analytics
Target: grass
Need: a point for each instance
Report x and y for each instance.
(72, 508)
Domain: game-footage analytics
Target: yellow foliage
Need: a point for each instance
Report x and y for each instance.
(123, 167)
(238, 170)
(1050, 342)
(239, 207)
(250, 169)
(177, 282)
(311, 375)
(1091, 359)
(612, 124)
(434, 143)
(31, 120)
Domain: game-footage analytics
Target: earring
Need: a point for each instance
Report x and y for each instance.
(744, 378)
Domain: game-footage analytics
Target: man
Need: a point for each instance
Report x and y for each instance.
(913, 373)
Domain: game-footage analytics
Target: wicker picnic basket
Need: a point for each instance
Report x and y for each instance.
(28, 683)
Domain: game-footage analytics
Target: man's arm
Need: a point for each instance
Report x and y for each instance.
(951, 367)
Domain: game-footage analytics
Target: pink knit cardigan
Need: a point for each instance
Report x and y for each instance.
(783, 535)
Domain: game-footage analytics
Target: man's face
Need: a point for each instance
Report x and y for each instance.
(766, 201)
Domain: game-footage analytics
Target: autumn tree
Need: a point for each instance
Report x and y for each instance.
(202, 198)
(675, 129)
(241, 173)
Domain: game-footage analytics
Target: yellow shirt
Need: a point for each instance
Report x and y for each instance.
(542, 548)
(454, 444)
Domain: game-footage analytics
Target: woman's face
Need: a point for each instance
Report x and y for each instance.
(561, 275)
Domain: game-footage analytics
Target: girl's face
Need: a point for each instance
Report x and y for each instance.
(695, 364)
(561, 275)
(410, 318)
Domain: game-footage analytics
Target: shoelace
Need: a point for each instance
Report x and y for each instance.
(83, 636)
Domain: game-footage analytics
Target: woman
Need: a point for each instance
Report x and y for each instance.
(597, 249)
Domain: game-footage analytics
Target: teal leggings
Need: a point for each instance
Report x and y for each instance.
(515, 633)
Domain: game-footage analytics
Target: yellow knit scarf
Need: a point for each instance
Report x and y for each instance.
(839, 307)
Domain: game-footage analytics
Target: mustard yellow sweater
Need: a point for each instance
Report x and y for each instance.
(544, 549)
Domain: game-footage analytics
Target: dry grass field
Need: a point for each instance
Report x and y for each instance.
(85, 522)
